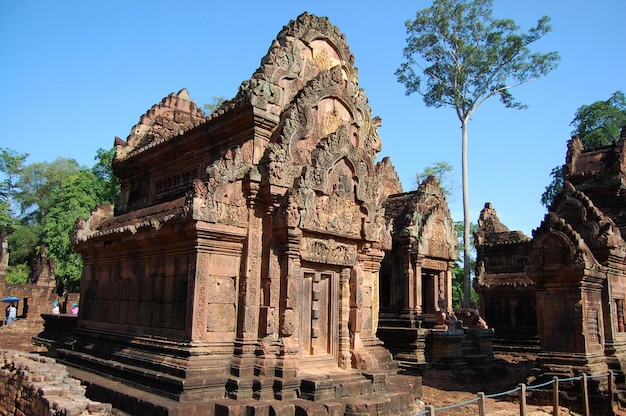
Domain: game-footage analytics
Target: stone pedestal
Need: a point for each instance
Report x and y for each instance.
(408, 345)
(478, 346)
(447, 348)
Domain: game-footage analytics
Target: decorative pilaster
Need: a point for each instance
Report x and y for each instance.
(344, 317)
(289, 347)
(247, 341)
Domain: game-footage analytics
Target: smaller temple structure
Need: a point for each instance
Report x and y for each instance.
(507, 295)
(572, 271)
(416, 275)
(578, 263)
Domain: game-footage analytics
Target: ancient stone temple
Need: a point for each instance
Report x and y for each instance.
(507, 295)
(572, 271)
(578, 263)
(242, 258)
(416, 276)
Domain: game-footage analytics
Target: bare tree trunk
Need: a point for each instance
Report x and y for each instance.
(467, 282)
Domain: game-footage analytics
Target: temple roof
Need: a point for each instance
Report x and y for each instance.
(172, 117)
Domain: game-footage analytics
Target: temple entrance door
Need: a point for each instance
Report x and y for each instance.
(320, 319)
(429, 300)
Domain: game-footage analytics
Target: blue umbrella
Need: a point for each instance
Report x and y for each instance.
(11, 299)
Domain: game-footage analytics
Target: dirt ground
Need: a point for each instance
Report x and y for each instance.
(440, 388)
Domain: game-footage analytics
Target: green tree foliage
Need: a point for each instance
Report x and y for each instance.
(17, 275)
(597, 125)
(38, 181)
(458, 287)
(103, 169)
(458, 55)
(76, 198)
(24, 244)
(553, 189)
(209, 108)
(50, 197)
(441, 171)
(11, 165)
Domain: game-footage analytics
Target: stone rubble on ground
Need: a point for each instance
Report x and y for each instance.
(35, 385)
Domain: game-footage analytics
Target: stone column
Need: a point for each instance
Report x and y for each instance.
(417, 277)
(369, 351)
(344, 317)
(247, 341)
(291, 283)
(411, 298)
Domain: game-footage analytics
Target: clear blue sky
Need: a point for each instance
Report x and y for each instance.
(77, 73)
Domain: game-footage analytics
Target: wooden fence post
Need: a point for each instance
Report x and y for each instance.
(585, 395)
(522, 399)
(555, 396)
(431, 409)
(482, 410)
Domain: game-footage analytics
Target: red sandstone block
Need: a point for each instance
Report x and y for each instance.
(222, 265)
(335, 409)
(258, 409)
(230, 408)
(283, 409)
(304, 408)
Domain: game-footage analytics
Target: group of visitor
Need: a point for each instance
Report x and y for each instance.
(57, 311)
(11, 311)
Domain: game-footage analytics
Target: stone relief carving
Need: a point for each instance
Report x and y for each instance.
(328, 251)
(220, 197)
(289, 212)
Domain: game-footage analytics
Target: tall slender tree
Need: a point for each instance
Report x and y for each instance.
(458, 55)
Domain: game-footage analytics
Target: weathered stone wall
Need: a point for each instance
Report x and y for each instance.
(32, 385)
(38, 294)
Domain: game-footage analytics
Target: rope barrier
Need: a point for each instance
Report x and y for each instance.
(504, 393)
(515, 390)
(537, 386)
(459, 404)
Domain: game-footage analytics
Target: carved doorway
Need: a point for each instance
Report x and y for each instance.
(320, 317)
(429, 298)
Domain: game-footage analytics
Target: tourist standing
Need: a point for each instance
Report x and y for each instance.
(74, 308)
(55, 308)
(11, 313)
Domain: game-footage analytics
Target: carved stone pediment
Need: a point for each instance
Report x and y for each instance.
(422, 218)
(556, 245)
(300, 52)
(173, 116)
(598, 231)
(328, 120)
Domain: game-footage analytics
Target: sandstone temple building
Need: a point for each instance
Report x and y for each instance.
(567, 282)
(416, 275)
(243, 257)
